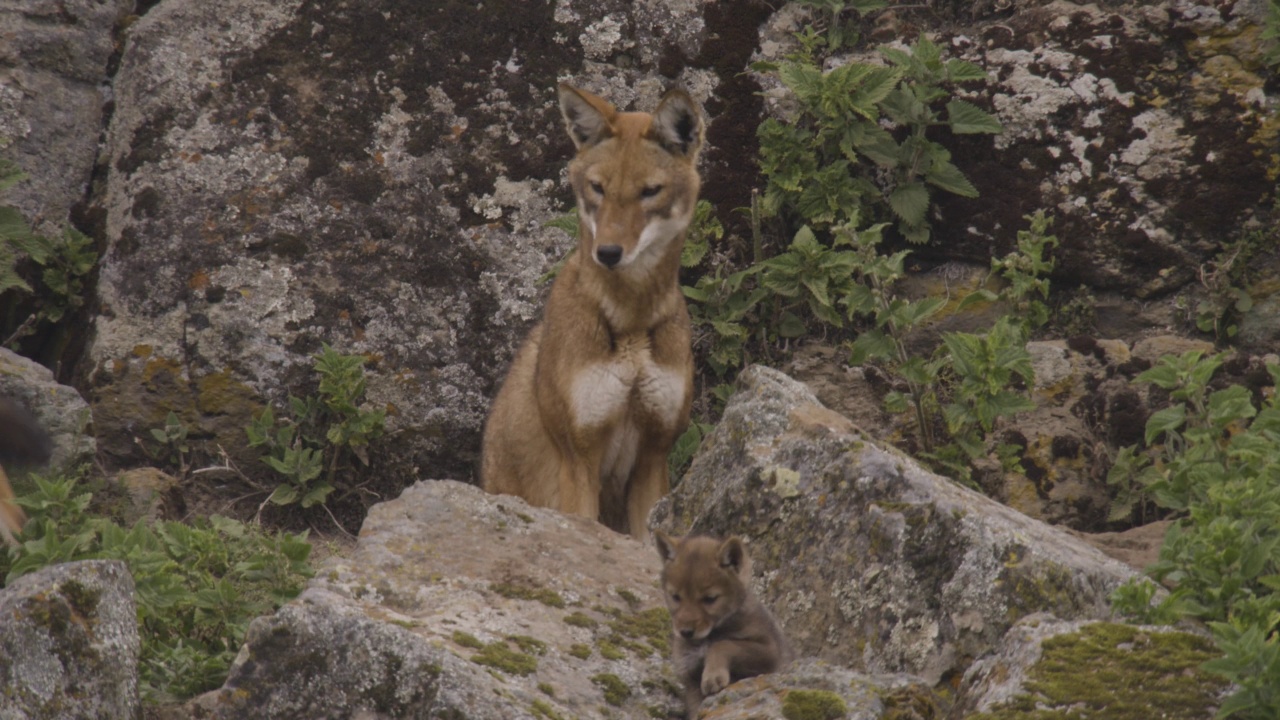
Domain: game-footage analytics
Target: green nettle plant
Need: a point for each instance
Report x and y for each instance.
(1213, 461)
(64, 262)
(835, 160)
(174, 447)
(321, 435)
(198, 586)
(835, 29)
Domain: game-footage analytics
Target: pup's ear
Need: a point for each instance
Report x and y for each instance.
(588, 118)
(666, 545)
(678, 124)
(733, 557)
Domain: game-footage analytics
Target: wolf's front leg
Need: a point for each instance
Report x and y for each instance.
(715, 674)
(649, 481)
(580, 486)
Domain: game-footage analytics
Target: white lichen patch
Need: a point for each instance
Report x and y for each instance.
(604, 37)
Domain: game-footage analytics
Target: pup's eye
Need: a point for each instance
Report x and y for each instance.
(710, 599)
(650, 191)
(597, 188)
(675, 597)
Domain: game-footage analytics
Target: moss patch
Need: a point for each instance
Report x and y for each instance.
(813, 705)
(580, 620)
(1132, 675)
(616, 692)
(530, 645)
(543, 709)
(545, 596)
(580, 651)
(500, 656)
(467, 640)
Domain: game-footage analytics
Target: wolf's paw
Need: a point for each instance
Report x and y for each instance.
(714, 681)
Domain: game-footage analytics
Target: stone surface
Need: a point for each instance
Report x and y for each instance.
(1134, 671)
(69, 643)
(376, 177)
(54, 63)
(58, 408)
(867, 559)
(391, 630)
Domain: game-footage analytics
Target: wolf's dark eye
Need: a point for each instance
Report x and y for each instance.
(675, 597)
(650, 191)
(597, 188)
(710, 599)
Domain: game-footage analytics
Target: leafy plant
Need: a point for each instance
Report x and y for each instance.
(64, 262)
(197, 586)
(1271, 34)
(1024, 273)
(321, 434)
(1224, 281)
(835, 29)
(1212, 461)
(173, 443)
(836, 159)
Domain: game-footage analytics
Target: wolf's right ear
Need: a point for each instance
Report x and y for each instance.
(588, 118)
(666, 545)
(733, 556)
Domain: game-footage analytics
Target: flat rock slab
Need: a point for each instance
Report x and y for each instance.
(459, 601)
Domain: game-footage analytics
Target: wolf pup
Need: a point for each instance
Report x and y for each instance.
(602, 387)
(720, 631)
(21, 441)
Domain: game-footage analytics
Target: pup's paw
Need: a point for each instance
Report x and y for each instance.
(714, 681)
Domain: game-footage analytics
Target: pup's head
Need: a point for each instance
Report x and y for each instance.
(705, 581)
(635, 176)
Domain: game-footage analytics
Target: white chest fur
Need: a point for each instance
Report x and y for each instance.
(630, 385)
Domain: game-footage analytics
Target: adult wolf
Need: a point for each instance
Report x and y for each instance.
(602, 387)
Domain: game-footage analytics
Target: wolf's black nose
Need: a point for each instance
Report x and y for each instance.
(609, 255)
(687, 634)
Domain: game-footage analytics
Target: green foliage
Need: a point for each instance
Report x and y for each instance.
(198, 585)
(321, 434)
(686, 446)
(1271, 34)
(1024, 273)
(835, 160)
(174, 447)
(704, 229)
(835, 30)
(1212, 460)
(64, 262)
(1224, 281)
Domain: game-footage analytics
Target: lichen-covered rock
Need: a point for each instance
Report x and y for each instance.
(867, 559)
(69, 643)
(58, 409)
(375, 176)
(52, 94)
(1147, 129)
(1050, 666)
(456, 601)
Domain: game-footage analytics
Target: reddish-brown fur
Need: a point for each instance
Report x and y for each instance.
(602, 387)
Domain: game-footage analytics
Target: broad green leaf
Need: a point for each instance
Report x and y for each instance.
(910, 201)
(965, 118)
(948, 177)
(1166, 420)
(791, 326)
(1233, 403)
(285, 494)
(872, 345)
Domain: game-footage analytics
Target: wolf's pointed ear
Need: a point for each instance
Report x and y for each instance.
(666, 545)
(733, 556)
(588, 118)
(678, 124)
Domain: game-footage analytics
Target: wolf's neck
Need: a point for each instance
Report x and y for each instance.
(633, 299)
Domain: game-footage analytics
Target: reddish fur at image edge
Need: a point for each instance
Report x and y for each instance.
(22, 441)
